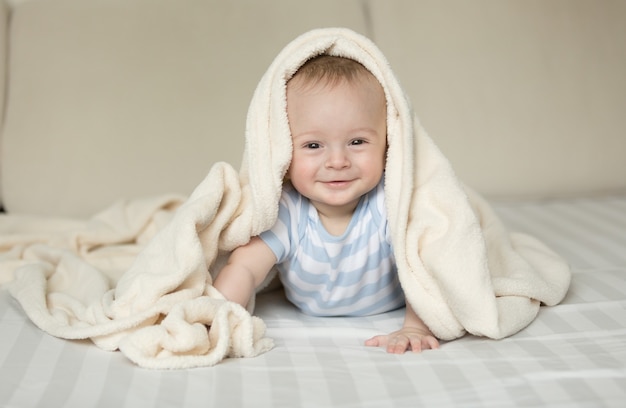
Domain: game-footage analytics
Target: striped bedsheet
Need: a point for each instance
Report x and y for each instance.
(573, 354)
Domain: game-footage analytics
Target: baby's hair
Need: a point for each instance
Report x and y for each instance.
(331, 70)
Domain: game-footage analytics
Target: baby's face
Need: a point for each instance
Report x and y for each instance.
(339, 140)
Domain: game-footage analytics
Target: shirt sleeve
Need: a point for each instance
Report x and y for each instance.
(278, 237)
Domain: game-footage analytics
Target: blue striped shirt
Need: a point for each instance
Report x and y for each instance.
(325, 275)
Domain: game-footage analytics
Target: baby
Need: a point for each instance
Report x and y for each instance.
(331, 243)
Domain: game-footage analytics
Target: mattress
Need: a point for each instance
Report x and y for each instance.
(573, 354)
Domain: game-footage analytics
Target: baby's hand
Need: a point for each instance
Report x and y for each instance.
(407, 338)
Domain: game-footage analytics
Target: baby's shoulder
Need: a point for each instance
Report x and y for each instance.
(290, 194)
(291, 201)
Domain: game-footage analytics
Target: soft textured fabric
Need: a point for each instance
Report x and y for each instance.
(459, 268)
(352, 274)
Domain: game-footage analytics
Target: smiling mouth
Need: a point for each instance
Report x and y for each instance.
(337, 183)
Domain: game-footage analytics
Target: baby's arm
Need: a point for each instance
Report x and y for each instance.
(247, 267)
(414, 335)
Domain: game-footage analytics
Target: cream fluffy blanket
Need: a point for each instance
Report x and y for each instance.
(135, 277)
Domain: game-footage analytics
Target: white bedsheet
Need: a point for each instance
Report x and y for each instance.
(573, 354)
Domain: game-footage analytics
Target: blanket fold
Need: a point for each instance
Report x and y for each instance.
(461, 270)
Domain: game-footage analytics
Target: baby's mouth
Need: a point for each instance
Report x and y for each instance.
(337, 183)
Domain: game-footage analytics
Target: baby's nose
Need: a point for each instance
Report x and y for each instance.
(337, 158)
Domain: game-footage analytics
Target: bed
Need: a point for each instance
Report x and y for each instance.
(573, 354)
(526, 99)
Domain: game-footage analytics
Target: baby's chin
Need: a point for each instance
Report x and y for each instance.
(337, 201)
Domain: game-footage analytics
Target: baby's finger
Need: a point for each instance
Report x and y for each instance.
(416, 344)
(398, 345)
(376, 341)
(431, 342)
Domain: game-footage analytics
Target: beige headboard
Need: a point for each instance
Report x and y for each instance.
(525, 97)
(110, 99)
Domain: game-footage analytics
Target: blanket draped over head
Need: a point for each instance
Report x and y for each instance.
(460, 269)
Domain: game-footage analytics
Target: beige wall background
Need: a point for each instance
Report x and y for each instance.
(526, 98)
(110, 99)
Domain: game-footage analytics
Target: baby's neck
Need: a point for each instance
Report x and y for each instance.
(335, 225)
(336, 219)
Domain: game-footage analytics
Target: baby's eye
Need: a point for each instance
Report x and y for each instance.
(312, 145)
(357, 142)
